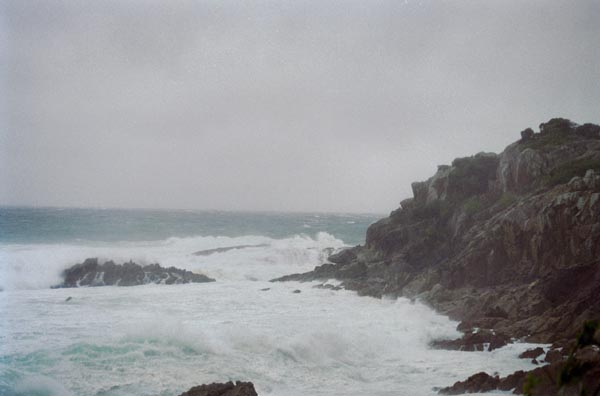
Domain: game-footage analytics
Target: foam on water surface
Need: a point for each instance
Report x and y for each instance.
(161, 340)
(164, 339)
(38, 266)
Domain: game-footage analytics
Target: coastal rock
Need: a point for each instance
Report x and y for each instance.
(553, 355)
(482, 340)
(227, 389)
(208, 252)
(509, 245)
(577, 374)
(92, 273)
(480, 382)
(503, 243)
(483, 382)
(532, 353)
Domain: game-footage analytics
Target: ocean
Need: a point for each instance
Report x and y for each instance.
(164, 339)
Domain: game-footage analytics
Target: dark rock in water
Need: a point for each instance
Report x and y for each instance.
(68, 299)
(91, 273)
(228, 389)
(480, 382)
(532, 353)
(208, 252)
(327, 286)
(265, 289)
(482, 340)
(573, 375)
(297, 291)
(483, 382)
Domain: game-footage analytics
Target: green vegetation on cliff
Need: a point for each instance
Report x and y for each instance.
(566, 171)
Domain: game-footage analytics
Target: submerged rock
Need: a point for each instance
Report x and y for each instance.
(208, 252)
(91, 273)
(227, 389)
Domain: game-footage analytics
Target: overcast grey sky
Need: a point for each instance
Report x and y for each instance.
(276, 105)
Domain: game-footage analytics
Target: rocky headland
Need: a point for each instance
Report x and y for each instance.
(508, 244)
(92, 273)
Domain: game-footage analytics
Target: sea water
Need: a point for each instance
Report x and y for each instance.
(164, 339)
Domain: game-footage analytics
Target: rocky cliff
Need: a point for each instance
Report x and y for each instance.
(509, 241)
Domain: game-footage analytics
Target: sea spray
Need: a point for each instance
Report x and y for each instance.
(169, 338)
(37, 266)
(164, 339)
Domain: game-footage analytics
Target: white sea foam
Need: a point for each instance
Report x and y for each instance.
(36, 385)
(163, 339)
(37, 266)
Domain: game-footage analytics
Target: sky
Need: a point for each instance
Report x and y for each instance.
(333, 106)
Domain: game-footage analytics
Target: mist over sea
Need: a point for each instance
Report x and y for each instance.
(163, 339)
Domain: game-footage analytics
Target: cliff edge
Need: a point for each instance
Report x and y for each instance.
(509, 241)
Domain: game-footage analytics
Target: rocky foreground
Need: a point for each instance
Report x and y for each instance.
(227, 389)
(577, 374)
(92, 273)
(508, 244)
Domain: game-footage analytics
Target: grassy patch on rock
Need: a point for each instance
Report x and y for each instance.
(568, 170)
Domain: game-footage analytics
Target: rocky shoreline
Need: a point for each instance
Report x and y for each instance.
(92, 273)
(508, 244)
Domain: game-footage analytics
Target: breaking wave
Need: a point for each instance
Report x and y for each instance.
(38, 266)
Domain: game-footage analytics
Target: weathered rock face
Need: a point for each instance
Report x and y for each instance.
(227, 389)
(91, 273)
(508, 242)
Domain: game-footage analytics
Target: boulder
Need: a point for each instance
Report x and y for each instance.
(223, 389)
(480, 382)
(92, 273)
(532, 353)
(482, 340)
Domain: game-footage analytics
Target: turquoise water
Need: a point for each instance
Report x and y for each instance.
(154, 340)
(60, 225)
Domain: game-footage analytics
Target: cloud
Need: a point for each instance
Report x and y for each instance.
(333, 106)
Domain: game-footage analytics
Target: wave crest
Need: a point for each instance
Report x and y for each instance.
(38, 266)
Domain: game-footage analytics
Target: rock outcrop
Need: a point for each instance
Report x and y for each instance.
(576, 374)
(92, 273)
(227, 389)
(508, 242)
(208, 252)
